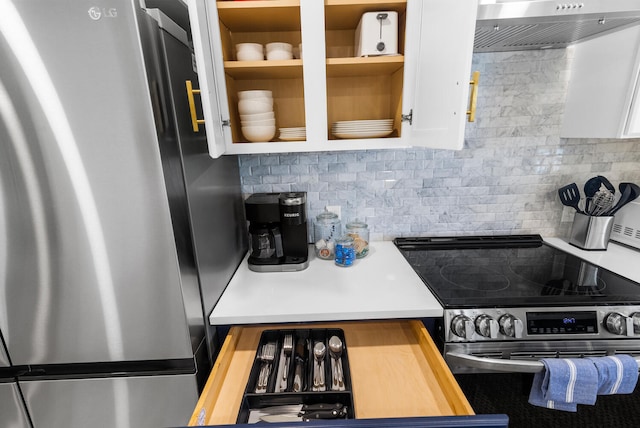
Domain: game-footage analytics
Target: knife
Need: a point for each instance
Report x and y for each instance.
(303, 412)
(298, 377)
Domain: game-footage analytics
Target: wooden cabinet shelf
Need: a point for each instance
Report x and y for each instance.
(288, 69)
(259, 16)
(395, 367)
(371, 66)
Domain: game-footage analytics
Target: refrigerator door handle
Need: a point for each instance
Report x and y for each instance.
(195, 122)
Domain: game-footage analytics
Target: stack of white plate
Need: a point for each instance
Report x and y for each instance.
(362, 128)
(293, 134)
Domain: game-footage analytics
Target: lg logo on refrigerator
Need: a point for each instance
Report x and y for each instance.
(96, 13)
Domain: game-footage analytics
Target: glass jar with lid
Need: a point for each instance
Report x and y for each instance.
(326, 229)
(344, 251)
(359, 231)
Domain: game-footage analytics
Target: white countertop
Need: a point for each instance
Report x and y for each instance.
(623, 260)
(379, 286)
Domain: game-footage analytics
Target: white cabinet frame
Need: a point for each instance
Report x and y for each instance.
(437, 66)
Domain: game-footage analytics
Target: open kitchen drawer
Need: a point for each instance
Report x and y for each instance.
(396, 372)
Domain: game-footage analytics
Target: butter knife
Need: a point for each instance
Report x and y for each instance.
(298, 377)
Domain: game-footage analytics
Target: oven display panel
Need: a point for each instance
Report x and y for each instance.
(562, 322)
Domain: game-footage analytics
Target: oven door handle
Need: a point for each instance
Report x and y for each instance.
(497, 364)
(494, 364)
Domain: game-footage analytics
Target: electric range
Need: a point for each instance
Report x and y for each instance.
(510, 300)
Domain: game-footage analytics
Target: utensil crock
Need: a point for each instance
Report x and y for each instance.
(591, 232)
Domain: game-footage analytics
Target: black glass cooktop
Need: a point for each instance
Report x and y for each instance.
(517, 270)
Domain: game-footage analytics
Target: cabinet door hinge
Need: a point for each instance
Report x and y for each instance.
(226, 122)
(408, 117)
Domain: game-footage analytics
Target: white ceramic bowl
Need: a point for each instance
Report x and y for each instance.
(254, 106)
(257, 134)
(249, 52)
(249, 56)
(245, 95)
(257, 116)
(245, 47)
(262, 122)
(279, 46)
(278, 55)
(258, 100)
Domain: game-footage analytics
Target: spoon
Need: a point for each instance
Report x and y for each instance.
(319, 351)
(335, 350)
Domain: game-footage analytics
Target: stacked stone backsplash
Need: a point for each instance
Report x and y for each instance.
(504, 180)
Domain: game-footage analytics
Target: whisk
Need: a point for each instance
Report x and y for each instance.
(601, 202)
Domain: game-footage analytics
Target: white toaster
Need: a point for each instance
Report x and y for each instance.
(377, 34)
(626, 225)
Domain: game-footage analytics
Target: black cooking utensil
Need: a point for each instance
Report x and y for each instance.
(629, 192)
(607, 184)
(570, 196)
(592, 186)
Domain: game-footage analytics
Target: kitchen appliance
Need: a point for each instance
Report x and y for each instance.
(277, 231)
(119, 232)
(509, 25)
(626, 225)
(511, 300)
(377, 34)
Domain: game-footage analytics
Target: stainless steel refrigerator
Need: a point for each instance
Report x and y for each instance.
(118, 232)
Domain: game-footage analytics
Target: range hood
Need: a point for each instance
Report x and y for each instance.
(511, 25)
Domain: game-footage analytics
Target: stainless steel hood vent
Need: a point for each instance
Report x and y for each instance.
(509, 25)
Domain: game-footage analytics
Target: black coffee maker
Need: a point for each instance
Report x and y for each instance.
(277, 231)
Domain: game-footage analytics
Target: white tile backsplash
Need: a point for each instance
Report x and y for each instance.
(504, 180)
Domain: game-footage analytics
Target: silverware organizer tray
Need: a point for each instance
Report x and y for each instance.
(277, 392)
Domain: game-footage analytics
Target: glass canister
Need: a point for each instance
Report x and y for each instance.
(359, 231)
(345, 252)
(326, 229)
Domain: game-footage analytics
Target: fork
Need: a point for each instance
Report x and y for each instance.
(287, 347)
(267, 355)
(263, 367)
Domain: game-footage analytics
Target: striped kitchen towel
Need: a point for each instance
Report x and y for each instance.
(564, 383)
(617, 374)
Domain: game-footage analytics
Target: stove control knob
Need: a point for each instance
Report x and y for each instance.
(510, 326)
(487, 326)
(617, 323)
(462, 326)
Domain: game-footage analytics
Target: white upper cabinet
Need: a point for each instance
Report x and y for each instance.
(423, 90)
(603, 96)
(437, 75)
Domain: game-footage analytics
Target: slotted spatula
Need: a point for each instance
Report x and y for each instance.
(570, 196)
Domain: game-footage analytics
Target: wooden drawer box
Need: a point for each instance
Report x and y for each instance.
(396, 370)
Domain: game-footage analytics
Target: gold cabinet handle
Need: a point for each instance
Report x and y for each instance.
(192, 107)
(475, 80)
